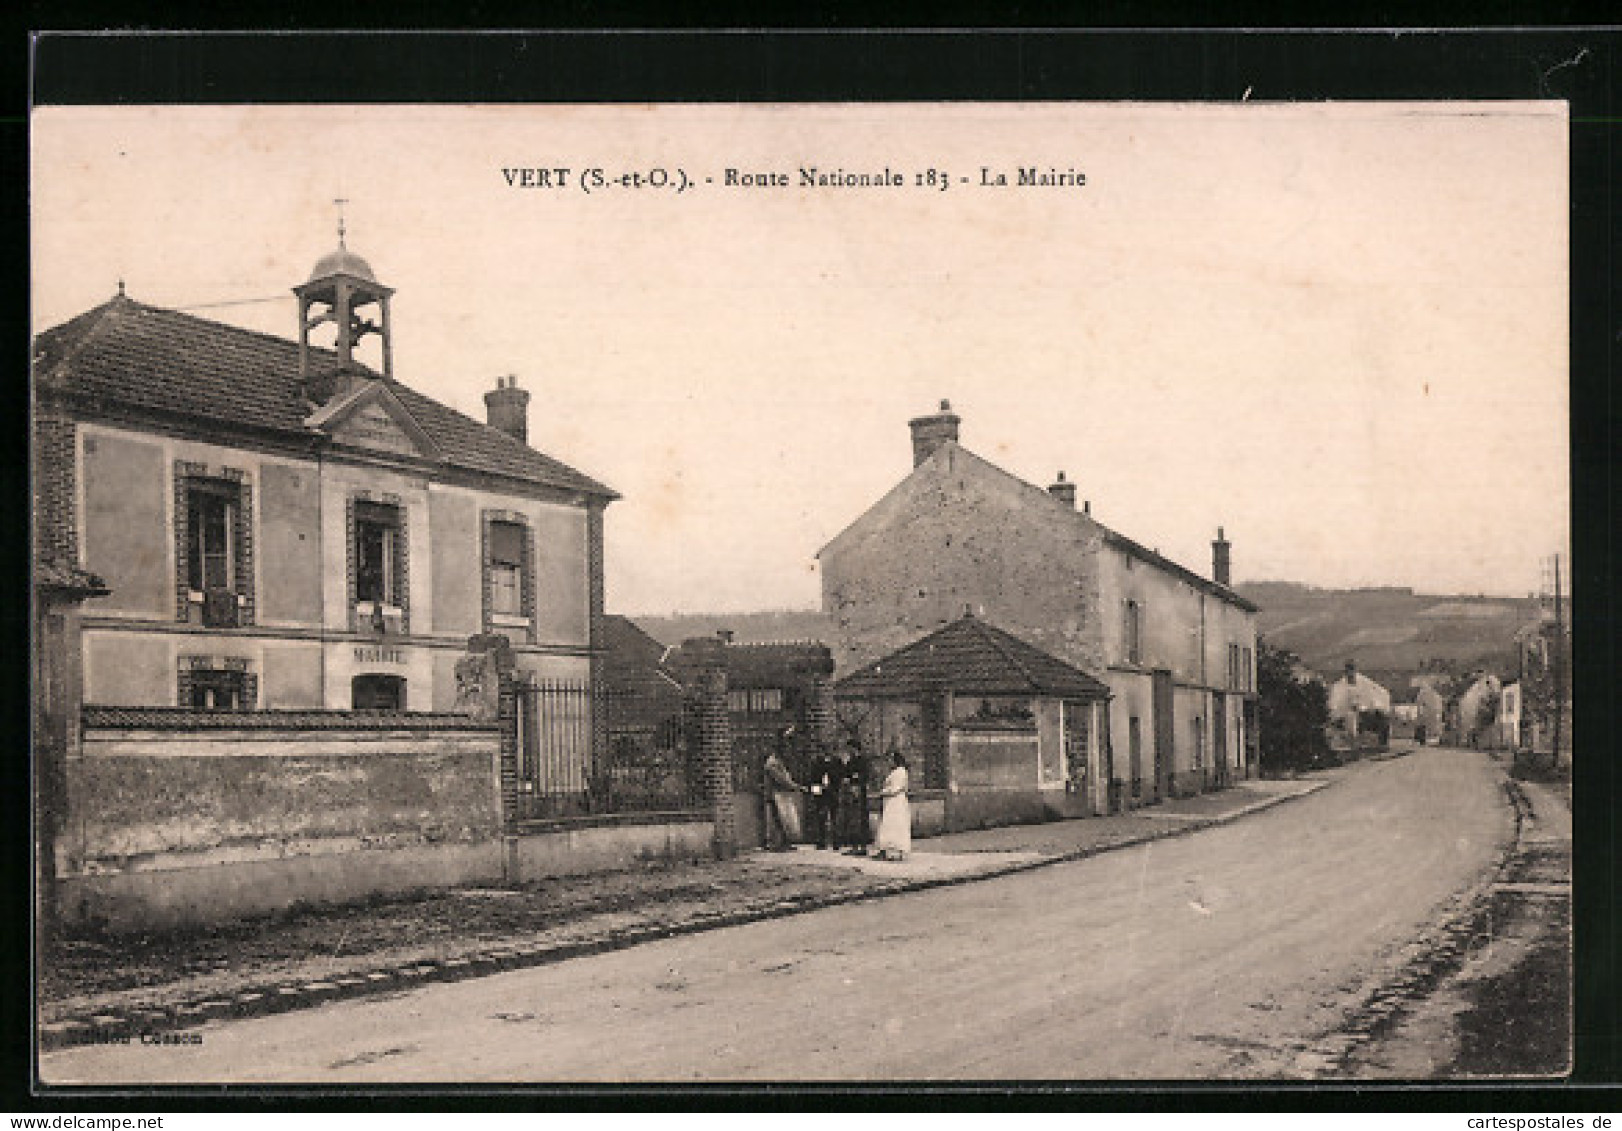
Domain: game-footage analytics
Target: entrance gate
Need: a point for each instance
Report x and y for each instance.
(579, 751)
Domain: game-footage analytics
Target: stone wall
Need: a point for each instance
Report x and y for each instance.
(176, 816)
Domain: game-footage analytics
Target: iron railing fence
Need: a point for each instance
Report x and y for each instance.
(647, 763)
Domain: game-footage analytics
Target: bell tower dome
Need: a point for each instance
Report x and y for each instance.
(342, 290)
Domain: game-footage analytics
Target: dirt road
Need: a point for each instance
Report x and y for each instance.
(1221, 954)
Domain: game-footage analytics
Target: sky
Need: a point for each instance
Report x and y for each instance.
(1338, 331)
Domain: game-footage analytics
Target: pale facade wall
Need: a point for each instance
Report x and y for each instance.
(294, 675)
(299, 645)
(453, 527)
(563, 602)
(1132, 696)
(1367, 695)
(127, 669)
(288, 550)
(124, 521)
(1186, 631)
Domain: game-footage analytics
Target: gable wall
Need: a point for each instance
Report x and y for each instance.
(960, 532)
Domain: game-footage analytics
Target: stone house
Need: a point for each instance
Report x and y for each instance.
(1177, 650)
(1430, 702)
(1476, 711)
(1350, 695)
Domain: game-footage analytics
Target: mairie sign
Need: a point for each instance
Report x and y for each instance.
(372, 655)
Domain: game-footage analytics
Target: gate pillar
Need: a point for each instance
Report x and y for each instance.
(507, 719)
(714, 740)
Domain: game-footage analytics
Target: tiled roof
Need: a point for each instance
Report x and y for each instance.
(125, 353)
(627, 641)
(773, 664)
(971, 655)
(185, 718)
(1154, 557)
(53, 573)
(633, 666)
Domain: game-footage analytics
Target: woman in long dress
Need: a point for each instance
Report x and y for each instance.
(895, 820)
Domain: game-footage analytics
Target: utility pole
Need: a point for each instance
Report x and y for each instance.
(1559, 663)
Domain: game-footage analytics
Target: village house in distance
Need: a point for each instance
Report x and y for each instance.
(1176, 650)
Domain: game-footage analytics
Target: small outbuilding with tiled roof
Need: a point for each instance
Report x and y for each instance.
(995, 730)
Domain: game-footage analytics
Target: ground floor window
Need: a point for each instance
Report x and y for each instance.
(216, 683)
(218, 691)
(378, 693)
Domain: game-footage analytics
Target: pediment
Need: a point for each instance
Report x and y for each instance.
(373, 418)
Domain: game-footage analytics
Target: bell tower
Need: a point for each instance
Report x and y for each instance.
(342, 290)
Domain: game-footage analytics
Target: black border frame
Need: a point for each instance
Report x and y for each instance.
(996, 64)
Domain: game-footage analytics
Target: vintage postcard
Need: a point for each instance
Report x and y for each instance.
(872, 593)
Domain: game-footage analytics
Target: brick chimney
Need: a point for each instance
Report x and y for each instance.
(507, 408)
(1351, 673)
(930, 432)
(1063, 490)
(1221, 563)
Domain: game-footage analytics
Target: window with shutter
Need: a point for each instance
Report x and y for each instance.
(507, 568)
(377, 553)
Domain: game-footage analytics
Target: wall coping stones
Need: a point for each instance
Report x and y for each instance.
(186, 718)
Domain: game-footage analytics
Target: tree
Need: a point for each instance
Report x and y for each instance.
(1292, 713)
(1546, 686)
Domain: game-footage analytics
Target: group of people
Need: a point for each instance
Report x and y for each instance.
(836, 803)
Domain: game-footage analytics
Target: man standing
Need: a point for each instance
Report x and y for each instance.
(855, 832)
(826, 772)
(782, 819)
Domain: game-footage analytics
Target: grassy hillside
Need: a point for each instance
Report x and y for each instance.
(1388, 630)
(1391, 633)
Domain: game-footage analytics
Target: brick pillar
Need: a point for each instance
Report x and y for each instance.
(714, 739)
(507, 719)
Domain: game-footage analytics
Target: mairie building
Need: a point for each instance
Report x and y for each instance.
(279, 524)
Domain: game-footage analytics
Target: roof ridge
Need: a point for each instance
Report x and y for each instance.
(796, 642)
(101, 321)
(593, 484)
(132, 354)
(291, 343)
(992, 637)
(93, 321)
